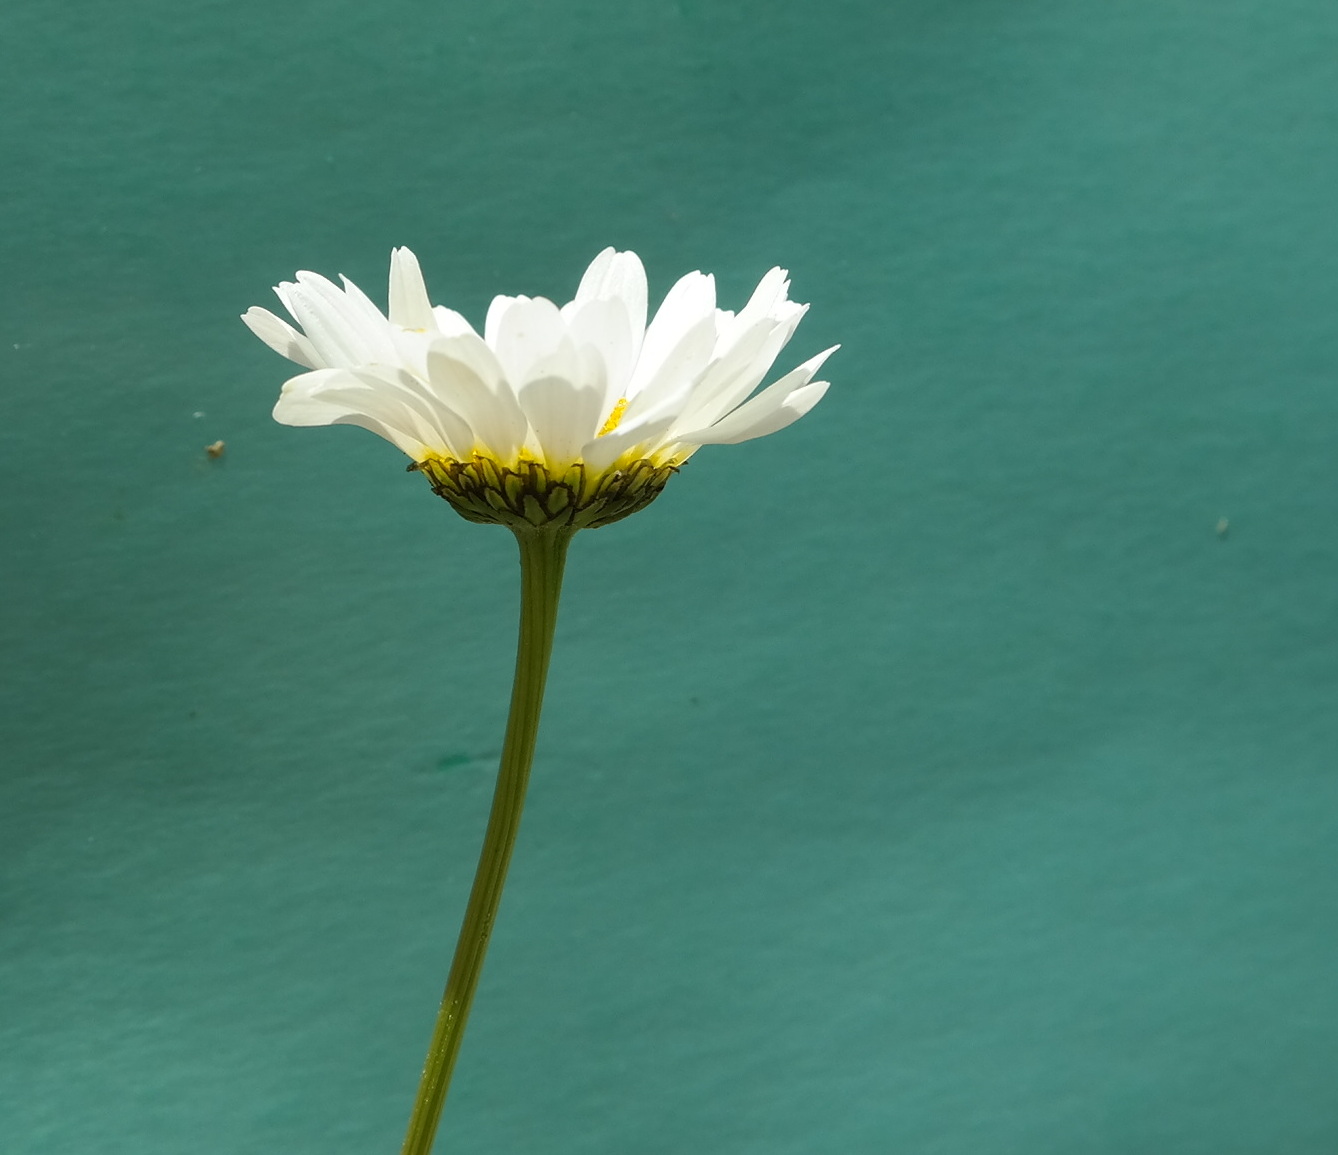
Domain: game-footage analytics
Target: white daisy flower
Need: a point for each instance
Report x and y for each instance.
(576, 414)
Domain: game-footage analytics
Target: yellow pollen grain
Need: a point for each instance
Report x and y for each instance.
(617, 415)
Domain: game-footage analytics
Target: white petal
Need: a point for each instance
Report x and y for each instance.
(677, 375)
(769, 302)
(411, 346)
(603, 451)
(409, 304)
(593, 374)
(465, 374)
(530, 329)
(737, 426)
(772, 291)
(593, 277)
(687, 304)
(563, 415)
(449, 322)
(437, 423)
(746, 423)
(282, 337)
(737, 372)
(614, 276)
(346, 330)
(498, 309)
(603, 325)
(322, 326)
(361, 309)
(789, 315)
(300, 402)
(471, 350)
(562, 360)
(336, 397)
(400, 401)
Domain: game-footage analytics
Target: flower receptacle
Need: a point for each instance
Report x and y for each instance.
(528, 496)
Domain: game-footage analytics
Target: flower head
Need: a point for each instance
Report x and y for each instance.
(575, 414)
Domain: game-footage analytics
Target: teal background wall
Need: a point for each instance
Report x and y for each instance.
(931, 777)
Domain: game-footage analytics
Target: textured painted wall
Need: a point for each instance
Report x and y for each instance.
(932, 777)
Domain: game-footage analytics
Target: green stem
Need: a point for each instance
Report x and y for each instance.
(542, 556)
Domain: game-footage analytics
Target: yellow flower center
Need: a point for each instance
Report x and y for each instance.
(614, 417)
